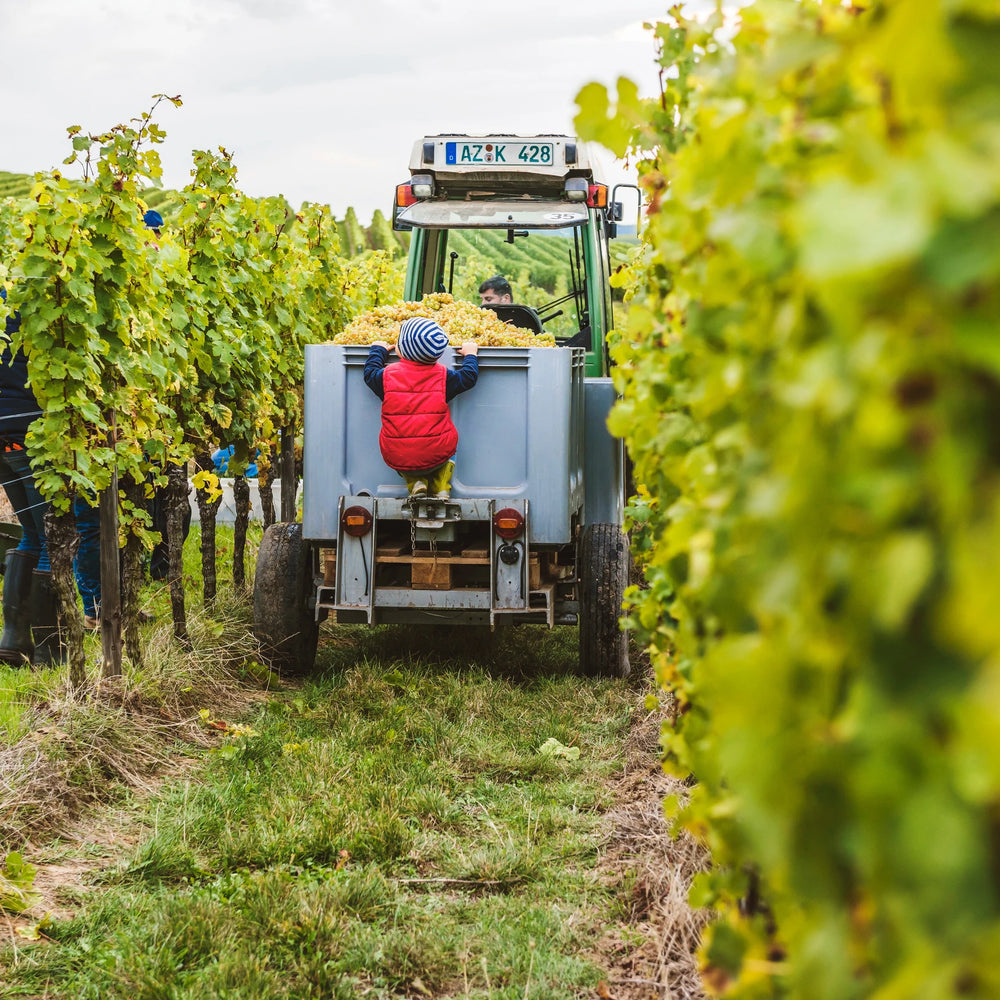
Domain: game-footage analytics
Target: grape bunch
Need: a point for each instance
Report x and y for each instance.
(461, 321)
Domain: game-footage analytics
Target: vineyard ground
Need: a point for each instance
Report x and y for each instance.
(388, 827)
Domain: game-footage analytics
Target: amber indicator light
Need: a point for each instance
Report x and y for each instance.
(508, 523)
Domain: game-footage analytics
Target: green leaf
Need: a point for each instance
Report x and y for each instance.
(600, 121)
(901, 572)
(17, 878)
(553, 748)
(851, 229)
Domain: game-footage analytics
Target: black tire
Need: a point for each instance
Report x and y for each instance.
(603, 574)
(284, 624)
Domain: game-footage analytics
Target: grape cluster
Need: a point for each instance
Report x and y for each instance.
(461, 321)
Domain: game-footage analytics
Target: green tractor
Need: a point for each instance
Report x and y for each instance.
(532, 531)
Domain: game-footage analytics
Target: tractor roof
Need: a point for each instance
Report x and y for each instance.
(507, 164)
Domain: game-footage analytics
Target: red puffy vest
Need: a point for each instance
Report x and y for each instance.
(417, 432)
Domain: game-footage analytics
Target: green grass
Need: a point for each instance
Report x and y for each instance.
(387, 827)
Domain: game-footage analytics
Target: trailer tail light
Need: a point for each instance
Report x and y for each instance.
(356, 521)
(597, 196)
(508, 523)
(405, 196)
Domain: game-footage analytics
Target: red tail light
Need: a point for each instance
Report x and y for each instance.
(356, 521)
(404, 195)
(508, 523)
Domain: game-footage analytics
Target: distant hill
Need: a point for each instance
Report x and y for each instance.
(14, 185)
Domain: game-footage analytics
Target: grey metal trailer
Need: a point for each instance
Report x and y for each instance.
(530, 534)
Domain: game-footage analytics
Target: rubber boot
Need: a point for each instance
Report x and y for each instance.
(45, 621)
(416, 486)
(15, 643)
(440, 484)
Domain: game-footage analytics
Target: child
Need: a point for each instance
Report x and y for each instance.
(418, 438)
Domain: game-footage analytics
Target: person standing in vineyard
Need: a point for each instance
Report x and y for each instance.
(495, 291)
(30, 627)
(418, 438)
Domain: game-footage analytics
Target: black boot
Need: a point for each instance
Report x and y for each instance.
(45, 621)
(15, 643)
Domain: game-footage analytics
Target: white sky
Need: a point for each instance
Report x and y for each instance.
(319, 100)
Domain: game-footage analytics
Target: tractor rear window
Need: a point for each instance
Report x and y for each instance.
(544, 267)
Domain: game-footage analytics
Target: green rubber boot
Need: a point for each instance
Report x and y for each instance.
(45, 621)
(15, 643)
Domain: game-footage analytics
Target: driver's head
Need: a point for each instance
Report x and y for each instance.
(495, 291)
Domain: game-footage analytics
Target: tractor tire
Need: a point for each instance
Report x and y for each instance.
(602, 570)
(284, 624)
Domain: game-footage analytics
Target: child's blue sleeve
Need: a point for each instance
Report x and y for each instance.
(461, 379)
(378, 357)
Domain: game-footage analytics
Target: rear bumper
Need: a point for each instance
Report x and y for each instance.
(443, 562)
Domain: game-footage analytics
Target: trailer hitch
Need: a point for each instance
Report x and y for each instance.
(432, 512)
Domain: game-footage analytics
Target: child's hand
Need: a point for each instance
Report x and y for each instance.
(469, 347)
(384, 345)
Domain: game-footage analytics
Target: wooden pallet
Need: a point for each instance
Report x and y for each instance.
(430, 574)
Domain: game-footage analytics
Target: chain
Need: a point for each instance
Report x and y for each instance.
(432, 538)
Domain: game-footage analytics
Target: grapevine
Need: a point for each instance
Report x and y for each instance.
(144, 352)
(809, 382)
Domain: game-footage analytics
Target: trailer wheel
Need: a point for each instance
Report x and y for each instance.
(603, 575)
(283, 623)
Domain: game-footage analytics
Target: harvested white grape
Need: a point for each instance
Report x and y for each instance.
(460, 320)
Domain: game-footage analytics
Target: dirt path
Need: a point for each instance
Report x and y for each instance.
(99, 841)
(650, 956)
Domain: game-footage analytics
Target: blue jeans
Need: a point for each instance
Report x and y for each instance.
(19, 485)
(87, 564)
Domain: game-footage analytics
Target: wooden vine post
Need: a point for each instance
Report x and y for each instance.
(289, 481)
(111, 605)
(177, 499)
(264, 482)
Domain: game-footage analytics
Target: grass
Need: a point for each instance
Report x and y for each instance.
(388, 827)
(26, 693)
(61, 751)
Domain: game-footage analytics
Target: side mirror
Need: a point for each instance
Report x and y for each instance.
(399, 227)
(615, 211)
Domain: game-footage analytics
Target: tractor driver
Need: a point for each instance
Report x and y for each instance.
(495, 291)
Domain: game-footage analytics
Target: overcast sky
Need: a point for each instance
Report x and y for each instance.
(319, 100)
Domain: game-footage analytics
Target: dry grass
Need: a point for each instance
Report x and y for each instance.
(92, 745)
(650, 954)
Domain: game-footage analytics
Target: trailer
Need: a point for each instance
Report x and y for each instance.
(532, 530)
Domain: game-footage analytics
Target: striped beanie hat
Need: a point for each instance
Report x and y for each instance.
(421, 340)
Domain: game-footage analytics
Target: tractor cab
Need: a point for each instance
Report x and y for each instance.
(527, 209)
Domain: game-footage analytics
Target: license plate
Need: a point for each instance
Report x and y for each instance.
(515, 154)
